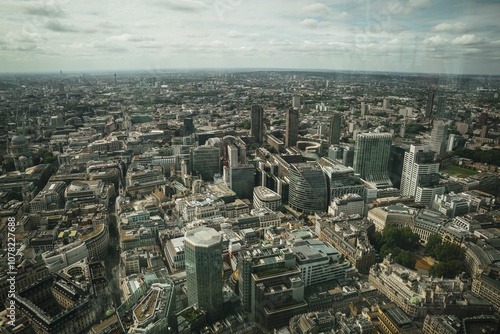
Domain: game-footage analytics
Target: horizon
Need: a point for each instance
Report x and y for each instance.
(160, 71)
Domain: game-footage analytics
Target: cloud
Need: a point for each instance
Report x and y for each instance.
(185, 5)
(467, 39)
(49, 9)
(316, 9)
(312, 23)
(57, 26)
(457, 27)
(419, 3)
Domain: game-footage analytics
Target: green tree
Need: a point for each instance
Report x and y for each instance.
(433, 242)
(406, 258)
(448, 269)
(447, 252)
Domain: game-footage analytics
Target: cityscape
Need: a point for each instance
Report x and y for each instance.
(249, 202)
(247, 167)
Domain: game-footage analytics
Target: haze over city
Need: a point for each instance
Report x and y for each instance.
(451, 37)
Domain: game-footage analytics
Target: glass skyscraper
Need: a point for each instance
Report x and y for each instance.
(203, 251)
(371, 157)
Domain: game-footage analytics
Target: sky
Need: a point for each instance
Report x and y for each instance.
(430, 36)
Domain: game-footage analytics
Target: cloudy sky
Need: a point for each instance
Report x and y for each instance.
(442, 36)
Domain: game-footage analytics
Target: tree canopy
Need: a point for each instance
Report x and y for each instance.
(400, 242)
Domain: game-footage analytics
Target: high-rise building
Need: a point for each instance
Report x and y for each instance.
(335, 129)
(257, 123)
(292, 127)
(296, 101)
(364, 109)
(439, 136)
(419, 170)
(371, 157)
(385, 103)
(308, 188)
(430, 105)
(242, 178)
(203, 251)
(205, 161)
(441, 107)
(270, 285)
(188, 128)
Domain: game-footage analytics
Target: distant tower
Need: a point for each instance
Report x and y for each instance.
(292, 127)
(430, 105)
(364, 109)
(402, 129)
(115, 79)
(203, 252)
(296, 102)
(441, 107)
(335, 129)
(257, 123)
(385, 104)
(439, 135)
(371, 157)
(188, 129)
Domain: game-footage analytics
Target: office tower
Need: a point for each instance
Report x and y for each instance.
(308, 188)
(452, 141)
(296, 102)
(371, 157)
(441, 107)
(188, 129)
(257, 123)
(419, 170)
(439, 135)
(203, 252)
(364, 109)
(205, 161)
(396, 161)
(242, 178)
(232, 155)
(430, 105)
(385, 104)
(292, 127)
(115, 79)
(335, 129)
(270, 286)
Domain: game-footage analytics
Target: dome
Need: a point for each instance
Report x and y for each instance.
(18, 140)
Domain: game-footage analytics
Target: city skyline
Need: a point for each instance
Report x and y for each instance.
(457, 37)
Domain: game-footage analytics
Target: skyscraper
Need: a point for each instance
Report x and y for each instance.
(188, 129)
(441, 107)
(292, 127)
(439, 135)
(308, 188)
(203, 251)
(335, 129)
(430, 105)
(371, 157)
(257, 123)
(418, 170)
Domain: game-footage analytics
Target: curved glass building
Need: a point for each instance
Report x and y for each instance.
(308, 188)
